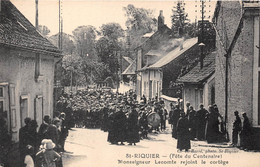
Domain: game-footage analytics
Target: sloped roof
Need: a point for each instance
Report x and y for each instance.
(187, 44)
(130, 70)
(128, 59)
(165, 47)
(17, 31)
(196, 74)
(159, 35)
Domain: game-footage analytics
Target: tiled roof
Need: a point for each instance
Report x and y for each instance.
(130, 70)
(196, 74)
(187, 44)
(17, 31)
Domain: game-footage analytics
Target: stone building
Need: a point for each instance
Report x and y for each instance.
(237, 61)
(27, 62)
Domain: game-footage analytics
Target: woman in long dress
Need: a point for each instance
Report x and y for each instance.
(183, 133)
(132, 128)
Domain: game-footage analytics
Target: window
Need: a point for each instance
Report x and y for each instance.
(195, 10)
(256, 74)
(201, 95)
(38, 112)
(24, 109)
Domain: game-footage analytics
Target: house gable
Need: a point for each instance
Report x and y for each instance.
(17, 31)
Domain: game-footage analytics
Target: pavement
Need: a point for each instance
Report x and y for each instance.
(89, 148)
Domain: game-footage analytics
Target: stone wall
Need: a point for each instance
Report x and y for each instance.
(240, 64)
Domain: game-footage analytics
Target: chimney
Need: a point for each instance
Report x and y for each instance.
(160, 21)
(202, 46)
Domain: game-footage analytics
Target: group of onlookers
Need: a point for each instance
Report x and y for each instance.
(243, 130)
(43, 148)
(207, 125)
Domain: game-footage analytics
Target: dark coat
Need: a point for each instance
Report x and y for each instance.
(111, 128)
(212, 128)
(201, 123)
(175, 117)
(120, 126)
(132, 127)
(25, 137)
(246, 134)
(42, 133)
(183, 134)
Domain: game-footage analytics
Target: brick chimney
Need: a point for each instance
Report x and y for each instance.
(160, 21)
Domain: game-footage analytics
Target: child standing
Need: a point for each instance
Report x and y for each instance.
(48, 155)
(28, 160)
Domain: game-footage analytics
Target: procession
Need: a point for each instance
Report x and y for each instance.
(129, 83)
(126, 121)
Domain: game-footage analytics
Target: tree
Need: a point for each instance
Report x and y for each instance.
(179, 19)
(113, 31)
(95, 71)
(139, 22)
(72, 70)
(68, 46)
(85, 39)
(44, 30)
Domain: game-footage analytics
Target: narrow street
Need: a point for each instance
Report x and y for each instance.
(89, 148)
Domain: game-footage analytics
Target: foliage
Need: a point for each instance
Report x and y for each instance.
(139, 22)
(44, 30)
(112, 31)
(85, 39)
(108, 44)
(179, 19)
(68, 46)
(72, 70)
(94, 70)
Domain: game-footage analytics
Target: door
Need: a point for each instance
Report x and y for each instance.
(4, 106)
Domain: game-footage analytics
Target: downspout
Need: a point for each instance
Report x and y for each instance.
(226, 88)
(227, 55)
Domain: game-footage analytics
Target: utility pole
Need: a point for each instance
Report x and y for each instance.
(60, 27)
(36, 15)
(202, 20)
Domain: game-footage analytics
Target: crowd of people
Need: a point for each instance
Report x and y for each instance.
(121, 115)
(43, 147)
(126, 120)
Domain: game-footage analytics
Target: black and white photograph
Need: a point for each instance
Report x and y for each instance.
(125, 83)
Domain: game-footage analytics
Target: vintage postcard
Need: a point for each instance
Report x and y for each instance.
(124, 83)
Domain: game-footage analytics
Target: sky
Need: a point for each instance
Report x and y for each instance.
(90, 12)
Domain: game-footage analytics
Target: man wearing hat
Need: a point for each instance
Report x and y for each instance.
(236, 129)
(64, 130)
(120, 125)
(42, 133)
